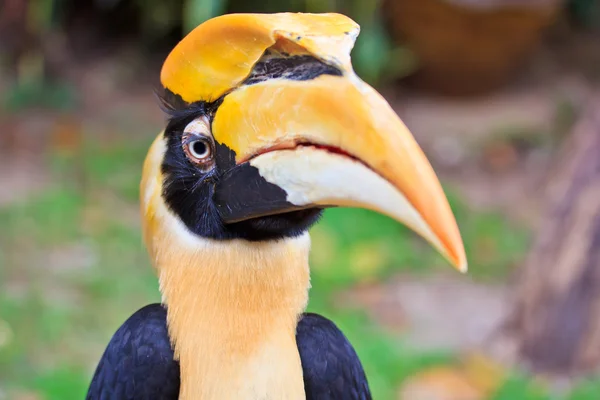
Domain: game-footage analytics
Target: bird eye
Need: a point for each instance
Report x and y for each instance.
(197, 142)
(198, 150)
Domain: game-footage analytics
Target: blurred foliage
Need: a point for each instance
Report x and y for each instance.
(156, 26)
(197, 11)
(157, 23)
(39, 93)
(585, 12)
(33, 86)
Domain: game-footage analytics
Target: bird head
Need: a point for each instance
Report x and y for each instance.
(269, 125)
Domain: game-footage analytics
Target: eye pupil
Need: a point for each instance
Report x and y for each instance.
(199, 149)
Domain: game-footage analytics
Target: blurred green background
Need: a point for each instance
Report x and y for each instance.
(490, 91)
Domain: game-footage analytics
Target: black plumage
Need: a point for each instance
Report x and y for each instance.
(330, 366)
(138, 363)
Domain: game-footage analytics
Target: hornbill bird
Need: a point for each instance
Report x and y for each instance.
(268, 125)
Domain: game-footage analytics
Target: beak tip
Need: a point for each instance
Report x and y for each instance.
(460, 263)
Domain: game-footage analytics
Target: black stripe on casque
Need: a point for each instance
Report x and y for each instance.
(295, 68)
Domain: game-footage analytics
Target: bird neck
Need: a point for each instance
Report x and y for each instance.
(233, 307)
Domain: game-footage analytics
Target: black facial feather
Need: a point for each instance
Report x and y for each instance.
(179, 112)
(190, 192)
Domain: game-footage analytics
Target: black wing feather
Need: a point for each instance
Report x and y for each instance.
(331, 368)
(138, 363)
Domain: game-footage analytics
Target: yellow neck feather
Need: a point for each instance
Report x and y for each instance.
(232, 314)
(233, 305)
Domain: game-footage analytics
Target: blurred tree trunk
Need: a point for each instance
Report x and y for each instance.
(557, 316)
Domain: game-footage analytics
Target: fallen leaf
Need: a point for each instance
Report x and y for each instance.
(24, 395)
(440, 383)
(501, 156)
(367, 259)
(483, 372)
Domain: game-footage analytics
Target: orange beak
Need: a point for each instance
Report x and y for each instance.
(334, 141)
(327, 141)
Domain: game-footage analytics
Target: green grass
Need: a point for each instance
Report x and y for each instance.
(62, 311)
(520, 387)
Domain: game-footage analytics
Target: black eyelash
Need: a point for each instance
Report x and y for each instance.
(189, 139)
(194, 137)
(179, 112)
